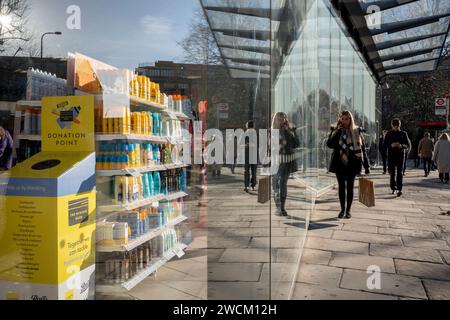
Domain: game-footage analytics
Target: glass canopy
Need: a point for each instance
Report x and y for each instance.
(394, 36)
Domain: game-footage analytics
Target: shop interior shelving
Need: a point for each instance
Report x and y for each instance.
(178, 250)
(106, 212)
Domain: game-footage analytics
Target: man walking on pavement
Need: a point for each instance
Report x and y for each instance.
(396, 143)
(425, 150)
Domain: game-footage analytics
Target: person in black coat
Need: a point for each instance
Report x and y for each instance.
(396, 143)
(347, 159)
(289, 141)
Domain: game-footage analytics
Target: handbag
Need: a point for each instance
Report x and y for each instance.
(366, 192)
(264, 189)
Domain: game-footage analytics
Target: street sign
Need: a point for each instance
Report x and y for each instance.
(223, 109)
(440, 106)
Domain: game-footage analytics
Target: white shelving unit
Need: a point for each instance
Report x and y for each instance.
(31, 137)
(136, 137)
(132, 171)
(130, 284)
(141, 240)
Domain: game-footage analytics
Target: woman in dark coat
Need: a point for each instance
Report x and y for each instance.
(347, 143)
(287, 161)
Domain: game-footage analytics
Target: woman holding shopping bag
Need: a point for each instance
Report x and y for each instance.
(347, 159)
(442, 157)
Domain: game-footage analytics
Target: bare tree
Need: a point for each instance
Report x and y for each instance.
(14, 36)
(199, 46)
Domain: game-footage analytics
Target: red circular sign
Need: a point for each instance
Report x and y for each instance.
(440, 102)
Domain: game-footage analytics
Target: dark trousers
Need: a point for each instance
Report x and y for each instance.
(279, 184)
(446, 175)
(427, 165)
(404, 164)
(346, 183)
(396, 172)
(384, 157)
(250, 168)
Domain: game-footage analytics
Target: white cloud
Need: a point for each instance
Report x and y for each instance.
(156, 26)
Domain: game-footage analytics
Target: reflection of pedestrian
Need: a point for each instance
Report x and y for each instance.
(415, 147)
(396, 143)
(383, 151)
(6, 149)
(425, 151)
(250, 147)
(287, 162)
(347, 159)
(407, 151)
(442, 157)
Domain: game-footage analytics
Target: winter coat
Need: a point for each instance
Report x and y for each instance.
(425, 148)
(442, 156)
(354, 165)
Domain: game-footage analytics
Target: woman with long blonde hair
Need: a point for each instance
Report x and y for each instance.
(287, 162)
(442, 157)
(347, 159)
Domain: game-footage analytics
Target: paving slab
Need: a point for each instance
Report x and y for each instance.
(246, 255)
(437, 290)
(423, 270)
(234, 271)
(407, 253)
(276, 242)
(337, 245)
(446, 255)
(367, 237)
(425, 243)
(359, 228)
(319, 274)
(304, 291)
(393, 284)
(312, 256)
(361, 262)
(407, 232)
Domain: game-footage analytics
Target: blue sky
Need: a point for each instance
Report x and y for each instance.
(121, 33)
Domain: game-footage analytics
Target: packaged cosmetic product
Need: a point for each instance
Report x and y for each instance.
(151, 186)
(125, 272)
(156, 183)
(141, 258)
(119, 190)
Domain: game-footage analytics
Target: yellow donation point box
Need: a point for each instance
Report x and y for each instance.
(47, 210)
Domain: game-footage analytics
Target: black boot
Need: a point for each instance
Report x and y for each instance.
(276, 199)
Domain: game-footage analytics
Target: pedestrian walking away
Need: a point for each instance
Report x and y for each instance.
(289, 141)
(347, 158)
(425, 151)
(6, 149)
(396, 143)
(251, 156)
(442, 157)
(383, 151)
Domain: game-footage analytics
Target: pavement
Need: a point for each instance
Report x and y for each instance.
(406, 239)
(242, 251)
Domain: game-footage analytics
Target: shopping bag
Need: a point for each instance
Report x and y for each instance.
(264, 189)
(366, 192)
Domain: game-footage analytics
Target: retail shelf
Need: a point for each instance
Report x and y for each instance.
(130, 284)
(142, 102)
(29, 103)
(182, 116)
(133, 205)
(141, 240)
(175, 196)
(175, 166)
(31, 137)
(119, 136)
(131, 171)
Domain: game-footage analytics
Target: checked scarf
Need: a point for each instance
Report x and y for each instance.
(347, 144)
